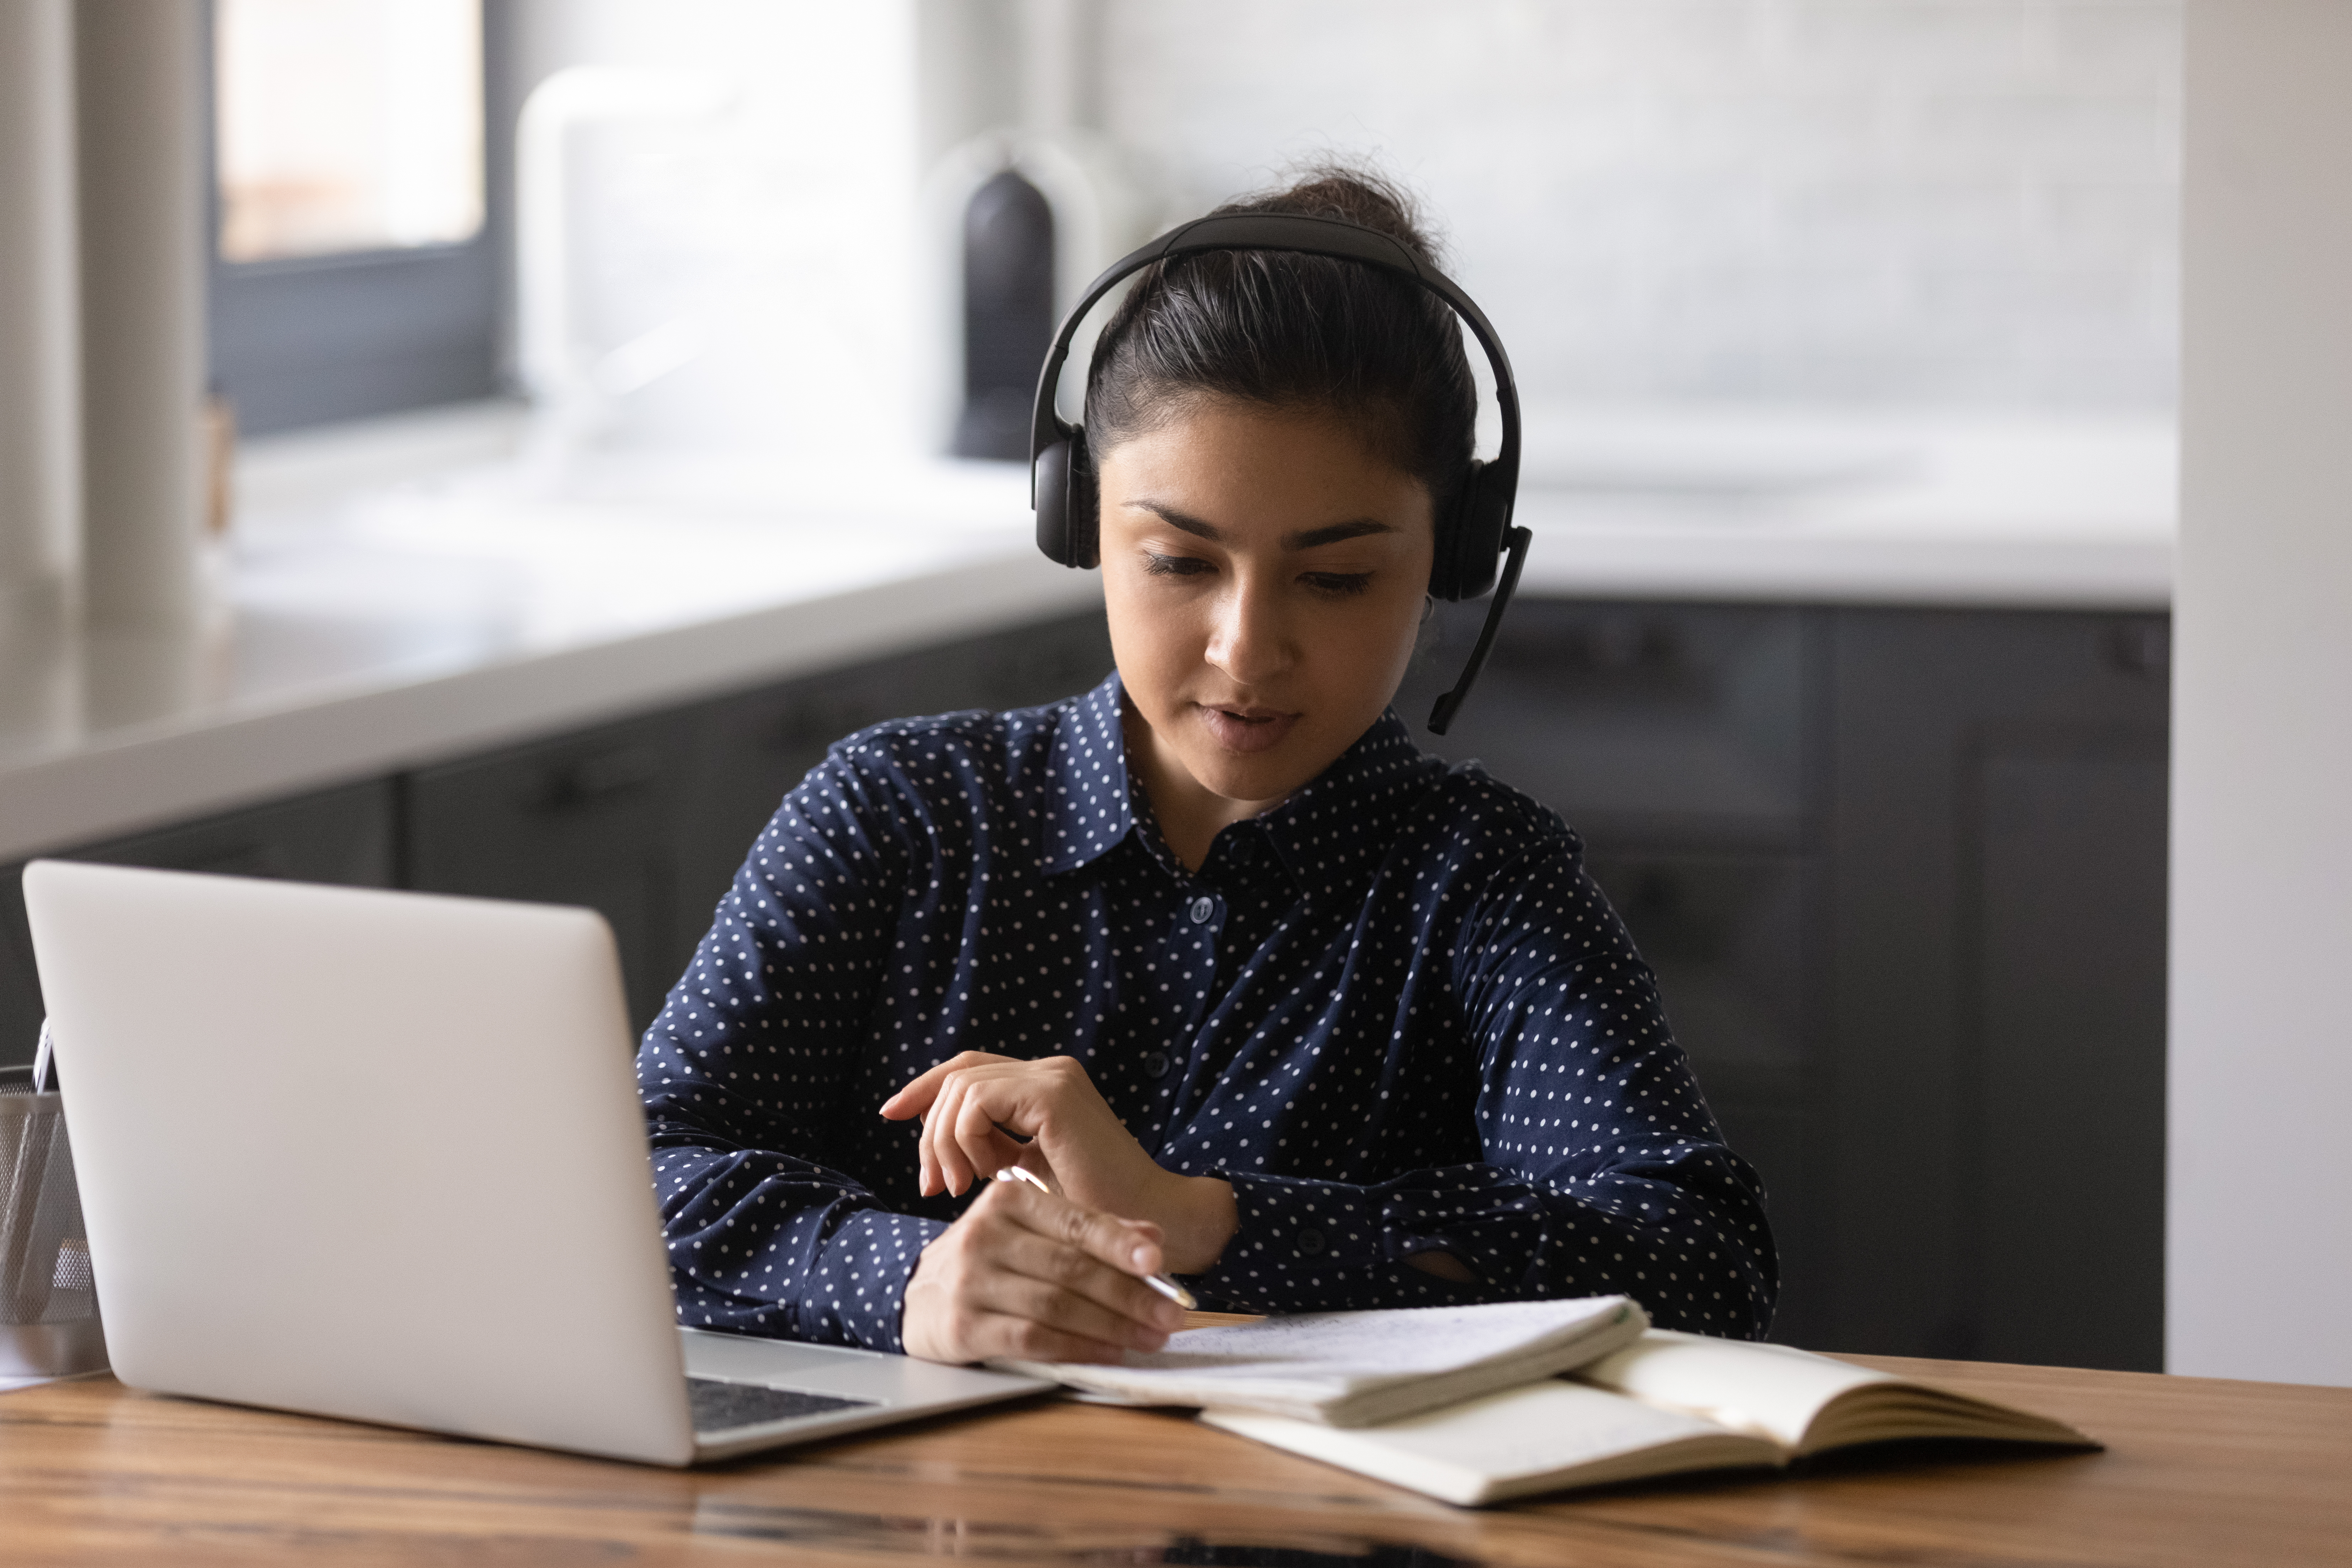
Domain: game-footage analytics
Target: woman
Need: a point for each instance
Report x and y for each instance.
(1267, 999)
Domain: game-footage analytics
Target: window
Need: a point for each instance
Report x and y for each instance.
(359, 205)
(345, 126)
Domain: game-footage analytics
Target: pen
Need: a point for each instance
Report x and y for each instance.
(1159, 1282)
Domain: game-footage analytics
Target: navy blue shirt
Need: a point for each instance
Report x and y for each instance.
(1393, 1012)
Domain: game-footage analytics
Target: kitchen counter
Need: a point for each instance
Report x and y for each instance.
(414, 633)
(366, 624)
(1848, 507)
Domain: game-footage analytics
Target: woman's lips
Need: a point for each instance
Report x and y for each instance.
(1246, 729)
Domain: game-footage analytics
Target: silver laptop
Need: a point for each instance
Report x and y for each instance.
(380, 1156)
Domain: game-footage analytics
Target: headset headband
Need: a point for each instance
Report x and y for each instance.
(1494, 484)
(1305, 236)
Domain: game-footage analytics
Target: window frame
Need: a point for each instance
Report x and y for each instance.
(317, 340)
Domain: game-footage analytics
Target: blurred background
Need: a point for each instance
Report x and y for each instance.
(1963, 203)
(495, 445)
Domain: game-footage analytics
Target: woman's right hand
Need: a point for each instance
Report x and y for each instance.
(1028, 1274)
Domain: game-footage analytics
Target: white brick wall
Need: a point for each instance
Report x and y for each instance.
(1920, 201)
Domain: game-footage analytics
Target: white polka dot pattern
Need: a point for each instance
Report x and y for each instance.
(1394, 1013)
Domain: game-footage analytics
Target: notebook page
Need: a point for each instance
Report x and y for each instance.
(1355, 1348)
(1772, 1391)
(1470, 1452)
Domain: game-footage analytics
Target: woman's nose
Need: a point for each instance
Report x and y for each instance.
(1251, 639)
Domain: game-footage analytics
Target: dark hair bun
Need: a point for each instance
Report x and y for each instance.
(1290, 331)
(1354, 195)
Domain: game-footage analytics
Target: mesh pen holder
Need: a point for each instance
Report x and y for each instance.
(48, 1299)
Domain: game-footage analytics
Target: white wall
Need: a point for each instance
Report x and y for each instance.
(1928, 202)
(2259, 1267)
(1931, 201)
(782, 236)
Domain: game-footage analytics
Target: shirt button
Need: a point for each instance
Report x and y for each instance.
(1156, 1064)
(1310, 1242)
(1202, 909)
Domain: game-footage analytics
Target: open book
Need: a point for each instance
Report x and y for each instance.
(1670, 1402)
(1349, 1369)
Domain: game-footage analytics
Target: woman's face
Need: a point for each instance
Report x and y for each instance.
(1264, 575)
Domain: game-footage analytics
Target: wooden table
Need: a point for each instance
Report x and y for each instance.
(2198, 1471)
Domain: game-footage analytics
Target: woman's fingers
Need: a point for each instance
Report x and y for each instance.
(961, 1140)
(1029, 1274)
(937, 1174)
(958, 1164)
(916, 1097)
(1010, 1335)
(1100, 1269)
(972, 1129)
(1065, 1310)
(981, 1113)
(1130, 1247)
(926, 1163)
(1082, 1270)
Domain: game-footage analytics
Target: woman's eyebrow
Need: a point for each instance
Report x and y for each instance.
(1305, 539)
(1175, 519)
(1333, 532)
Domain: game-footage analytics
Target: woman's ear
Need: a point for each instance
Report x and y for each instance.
(1430, 633)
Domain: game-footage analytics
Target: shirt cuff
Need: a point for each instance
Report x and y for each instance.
(856, 1294)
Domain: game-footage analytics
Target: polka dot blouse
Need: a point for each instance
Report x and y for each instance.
(1394, 1013)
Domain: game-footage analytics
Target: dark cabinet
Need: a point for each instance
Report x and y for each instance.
(345, 835)
(20, 985)
(1676, 722)
(581, 819)
(1995, 1080)
(1901, 874)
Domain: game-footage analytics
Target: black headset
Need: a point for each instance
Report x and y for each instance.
(1478, 530)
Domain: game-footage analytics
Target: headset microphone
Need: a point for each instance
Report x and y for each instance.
(1469, 541)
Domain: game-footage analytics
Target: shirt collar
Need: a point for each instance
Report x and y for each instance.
(1333, 830)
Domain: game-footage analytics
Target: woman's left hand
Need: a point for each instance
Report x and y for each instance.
(970, 1103)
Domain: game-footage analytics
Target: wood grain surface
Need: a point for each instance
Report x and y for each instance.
(2197, 1472)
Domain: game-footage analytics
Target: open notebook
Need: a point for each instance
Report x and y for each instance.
(1348, 1369)
(1668, 1403)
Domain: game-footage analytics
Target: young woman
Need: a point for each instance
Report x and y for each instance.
(1266, 997)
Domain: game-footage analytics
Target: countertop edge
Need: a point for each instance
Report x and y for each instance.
(2133, 572)
(343, 735)
(390, 721)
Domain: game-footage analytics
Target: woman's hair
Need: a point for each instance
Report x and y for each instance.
(1371, 349)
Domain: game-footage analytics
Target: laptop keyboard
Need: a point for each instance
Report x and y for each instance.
(722, 1406)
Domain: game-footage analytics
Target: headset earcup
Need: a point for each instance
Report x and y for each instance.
(1470, 545)
(1049, 479)
(1085, 507)
(1068, 512)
